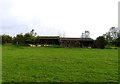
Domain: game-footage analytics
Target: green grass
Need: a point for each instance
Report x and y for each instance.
(0, 63)
(35, 64)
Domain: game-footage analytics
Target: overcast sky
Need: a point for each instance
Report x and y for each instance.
(58, 17)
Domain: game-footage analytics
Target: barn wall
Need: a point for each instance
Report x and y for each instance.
(67, 42)
(75, 43)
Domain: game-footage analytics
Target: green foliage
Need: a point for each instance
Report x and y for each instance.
(100, 42)
(19, 39)
(33, 64)
(27, 38)
(117, 42)
(0, 39)
(6, 39)
(0, 63)
(113, 36)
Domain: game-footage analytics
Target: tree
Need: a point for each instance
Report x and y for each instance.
(100, 42)
(86, 34)
(6, 39)
(108, 37)
(32, 33)
(37, 40)
(112, 34)
(27, 38)
(30, 37)
(19, 39)
(0, 39)
(117, 42)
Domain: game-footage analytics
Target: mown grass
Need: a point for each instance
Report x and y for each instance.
(35, 64)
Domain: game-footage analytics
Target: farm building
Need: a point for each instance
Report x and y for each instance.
(76, 42)
(49, 40)
(66, 42)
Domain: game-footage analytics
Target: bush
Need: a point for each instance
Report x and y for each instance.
(117, 42)
(100, 42)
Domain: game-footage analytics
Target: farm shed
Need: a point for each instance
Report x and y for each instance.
(49, 40)
(76, 42)
(65, 42)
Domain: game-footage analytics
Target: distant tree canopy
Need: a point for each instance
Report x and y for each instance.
(112, 34)
(0, 39)
(19, 39)
(86, 34)
(6, 39)
(100, 42)
(112, 37)
(117, 42)
(27, 38)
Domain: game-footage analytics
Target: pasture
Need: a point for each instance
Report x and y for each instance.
(48, 64)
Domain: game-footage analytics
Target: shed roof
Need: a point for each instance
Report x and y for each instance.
(49, 37)
(77, 39)
(61, 39)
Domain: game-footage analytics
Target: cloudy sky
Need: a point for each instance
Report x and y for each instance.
(58, 17)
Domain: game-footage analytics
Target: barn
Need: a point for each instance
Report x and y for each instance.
(66, 42)
(49, 40)
(76, 42)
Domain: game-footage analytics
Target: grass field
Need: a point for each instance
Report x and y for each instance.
(35, 64)
(0, 63)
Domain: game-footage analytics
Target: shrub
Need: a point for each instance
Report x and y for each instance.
(100, 42)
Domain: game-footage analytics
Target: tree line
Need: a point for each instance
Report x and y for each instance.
(20, 39)
(111, 38)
